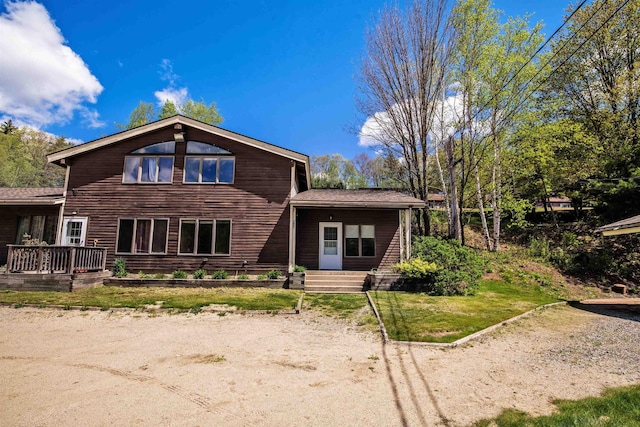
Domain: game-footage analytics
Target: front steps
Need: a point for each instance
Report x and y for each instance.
(334, 281)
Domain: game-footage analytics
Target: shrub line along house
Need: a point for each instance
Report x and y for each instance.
(181, 194)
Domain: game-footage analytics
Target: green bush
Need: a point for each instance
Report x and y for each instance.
(299, 269)
(539, 248)
(159, 276)
(458, 268)
(143, 275)
(179, 274)
(200, 273)
(120, 268)
(220, 274)
(273, 274)
(416, 268)
(262, 277)
(243, 277)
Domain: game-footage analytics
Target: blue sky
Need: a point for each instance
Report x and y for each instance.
(279, 71)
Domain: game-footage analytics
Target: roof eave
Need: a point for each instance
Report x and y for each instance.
(98, 143)
(357, 204)
(31, 202)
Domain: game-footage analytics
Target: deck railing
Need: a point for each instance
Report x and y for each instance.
(55, 259)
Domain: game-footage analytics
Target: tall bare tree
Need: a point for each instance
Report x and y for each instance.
(402, 75)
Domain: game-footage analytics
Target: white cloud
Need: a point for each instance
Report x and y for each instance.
(175, 95)
(42, 81)
(171, 93)
(91, 118)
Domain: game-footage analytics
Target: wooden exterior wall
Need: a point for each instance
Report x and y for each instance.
(387, 233)
(256, 203)
(9, 223)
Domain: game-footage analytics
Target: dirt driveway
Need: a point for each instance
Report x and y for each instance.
(97, 368)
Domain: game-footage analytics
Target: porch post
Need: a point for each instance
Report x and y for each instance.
(292, 238)
(407, 231)
(401, 230)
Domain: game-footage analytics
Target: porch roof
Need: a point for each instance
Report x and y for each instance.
(625, 226)
(13, 196)
(361, 198)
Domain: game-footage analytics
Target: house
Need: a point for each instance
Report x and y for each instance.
(182, 194)
(555, 203)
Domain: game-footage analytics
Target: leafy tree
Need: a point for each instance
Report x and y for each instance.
(146, 113)
(595, 84)
(168, 109)
(8, 127)
(23, 156)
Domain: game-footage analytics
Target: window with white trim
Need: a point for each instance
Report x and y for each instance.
(205, 237)
(142, 236)
(211, 164)
(150, 164)
(359, 240)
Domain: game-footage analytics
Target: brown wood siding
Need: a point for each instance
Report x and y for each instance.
(256, 203)
(387, 231)
(9, 223)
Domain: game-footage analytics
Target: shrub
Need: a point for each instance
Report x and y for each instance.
(458, 267)
(200, 273)
(179, 274)
(220, 274)
(299, 269)
(273, 274)
(143, 275)
(159, 276)
(262, 277)
(120, 268)
(417, 269)
(243, 277)
(539, 248)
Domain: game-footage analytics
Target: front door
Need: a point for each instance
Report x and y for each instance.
(330, 246)
(74, 231)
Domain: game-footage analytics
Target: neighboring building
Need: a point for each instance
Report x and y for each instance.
(181, 194)
(556, 203)
(624, 226)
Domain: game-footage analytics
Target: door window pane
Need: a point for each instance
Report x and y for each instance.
(330, 247)
(223, 237)
(330, 233)
(74, 233)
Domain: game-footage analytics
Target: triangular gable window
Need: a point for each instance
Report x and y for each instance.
(195, 147)
(168, 147)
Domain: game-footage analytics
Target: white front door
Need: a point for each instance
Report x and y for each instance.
(330, 246)
(74, 231)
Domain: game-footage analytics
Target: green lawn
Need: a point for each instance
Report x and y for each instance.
(618, 407)
(419, 317)
(179, 298)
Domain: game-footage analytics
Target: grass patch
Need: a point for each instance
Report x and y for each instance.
(354, 307)
(180, 298)
(618, 407)
(336, 305)
(419, 317)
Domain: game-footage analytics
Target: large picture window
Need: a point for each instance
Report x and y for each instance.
(149, 165)
(37, 227)
(207, 166)
(360, 240)
(205, 237)
(142, 236)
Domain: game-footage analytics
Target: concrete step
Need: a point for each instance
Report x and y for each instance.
(333, 289)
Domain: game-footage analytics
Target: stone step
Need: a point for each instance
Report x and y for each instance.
(334, 279)
(333, 289)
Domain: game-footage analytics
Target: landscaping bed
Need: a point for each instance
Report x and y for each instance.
(196, 283)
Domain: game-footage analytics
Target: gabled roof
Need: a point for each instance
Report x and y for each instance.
(31, 196)
(177, 119)
(625, 226)
(362, 198)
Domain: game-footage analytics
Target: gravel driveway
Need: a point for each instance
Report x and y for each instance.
(62, 368)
